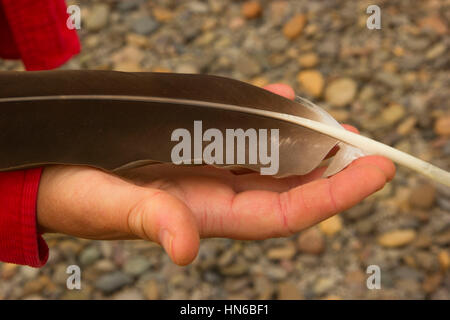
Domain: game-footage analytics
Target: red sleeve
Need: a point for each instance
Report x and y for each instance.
(20, 242)
(36, 32)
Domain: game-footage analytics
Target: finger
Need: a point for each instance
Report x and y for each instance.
(281, 89)
(97, 205)
(264, 214)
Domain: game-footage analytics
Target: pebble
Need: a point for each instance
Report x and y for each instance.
(393, 113)
(280, 253)
(442, 126)
(264, 287)
(426, 261)
(36, 285)
(111, 282)
(341, 92)
(129, 294)
(322, 285)
(331, 226)
(311, 82)
(8, 270)
(444, 260)
(432, 282)
(162, 14)
(151, 290)
(308, 60)
(136, 266)
(240, 267)
(247, 66)
(423, 196)
(98, 17)
(251, 9)
(396, 238)
(288, 291)
(294, 27)
(276, 273)
(407, 125)
(145, 25)
(89, 255)
(311, 241)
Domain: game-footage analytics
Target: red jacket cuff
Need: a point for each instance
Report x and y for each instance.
(20, 242)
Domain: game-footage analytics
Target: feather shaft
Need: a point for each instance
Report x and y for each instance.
(368, 145)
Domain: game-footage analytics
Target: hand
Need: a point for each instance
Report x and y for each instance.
(176, 206)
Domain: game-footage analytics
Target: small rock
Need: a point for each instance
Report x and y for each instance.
(397, 238)
(311, 241)
(251, 9)
(238, 268)
(247, 66)
(294, 27)
(442, 126)
(226, 257)
(128, 5)
(286, 252)
(98, 17)
(308, 60)
(339, 114)
(111, 282)
(8, 270)
(432, 282)
(444, 260)
(89, 255)
(151, 290)
(276, 273)
(236, 284)
(36, 285)
(288, 291)
(341, 92)
(423, 196)
(436, 51)
(359, 211)
(137, 40)
(393, 113)
(186, 68)
(264, 287)
(145, 25)
(29, 272)
(331, 226)
(136, 266)
(312, 82)
(427, 261)
(126, 54)
(322, 285)
(104, 265)
(406, 126)
(127, 66)
(162, 14)
(129, 294)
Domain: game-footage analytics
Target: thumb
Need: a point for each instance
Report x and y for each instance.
(89, 203)
(162, 217)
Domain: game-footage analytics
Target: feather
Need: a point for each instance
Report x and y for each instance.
(116, 120)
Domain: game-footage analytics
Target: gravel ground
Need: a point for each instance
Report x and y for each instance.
(393, 84)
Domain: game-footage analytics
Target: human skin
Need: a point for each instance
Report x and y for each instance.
(175, 206)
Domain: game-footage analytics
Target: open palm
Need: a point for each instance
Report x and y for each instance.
(176, 205)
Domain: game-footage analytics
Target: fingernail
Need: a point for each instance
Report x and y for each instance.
(166, 239)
